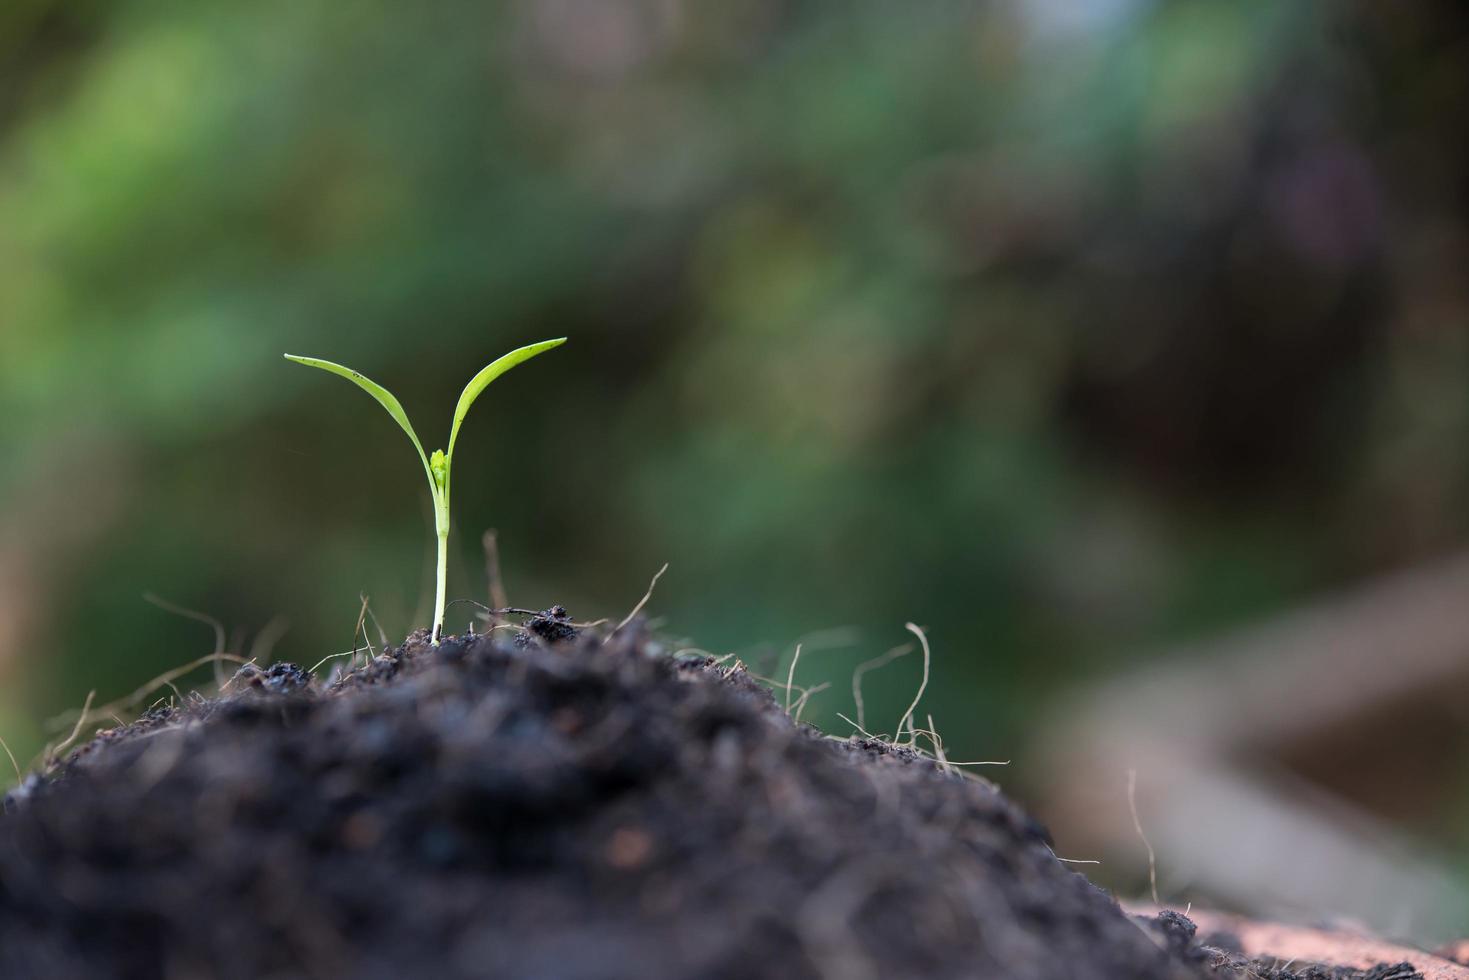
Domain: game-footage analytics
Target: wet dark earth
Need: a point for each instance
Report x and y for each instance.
(543, 802)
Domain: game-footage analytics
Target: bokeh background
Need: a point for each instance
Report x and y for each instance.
(1072, 330)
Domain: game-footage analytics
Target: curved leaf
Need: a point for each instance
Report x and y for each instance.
(384, 397)
(481, 381)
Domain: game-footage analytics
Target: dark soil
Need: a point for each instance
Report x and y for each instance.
(543, 804)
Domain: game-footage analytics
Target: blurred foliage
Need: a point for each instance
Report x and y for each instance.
(1066, 329)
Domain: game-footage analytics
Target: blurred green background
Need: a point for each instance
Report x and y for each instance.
(1068, 329)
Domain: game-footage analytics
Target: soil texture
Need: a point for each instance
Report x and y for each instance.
(543, 802)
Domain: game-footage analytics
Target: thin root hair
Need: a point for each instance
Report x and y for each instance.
(167, 677)
(895, 653)
(1137, 825)
(52, 752)
(641, 602)
(19, 776)
(923, 685)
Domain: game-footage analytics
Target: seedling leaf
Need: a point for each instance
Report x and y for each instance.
(482, 380)
(438, 468)
(384, 397)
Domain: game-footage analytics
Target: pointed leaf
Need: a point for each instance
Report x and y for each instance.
(384, 397)
(482, 381)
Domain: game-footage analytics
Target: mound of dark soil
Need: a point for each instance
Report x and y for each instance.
(525, 808)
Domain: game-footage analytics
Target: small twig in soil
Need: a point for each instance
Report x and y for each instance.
(806, 697)
(774, 684)
(492, 615)
(198, 617)
(819, 640)
(19, 776)
(168, 677)
(938, 745)
(205, 618)
(357, 630)
(937, 742)
(333, 656)
(498, 597)
(492, 611)
(791, 676)
(164, 678)
(226, 685)
(382, 634)
(923, 641)
(641, 602)
(76, 730)
(371, 653)
(860, 730)
(876, 662)
(1138, 826)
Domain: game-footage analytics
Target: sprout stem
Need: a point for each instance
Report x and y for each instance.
(443, 582)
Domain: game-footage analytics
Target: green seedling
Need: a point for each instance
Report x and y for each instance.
(440, 465)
